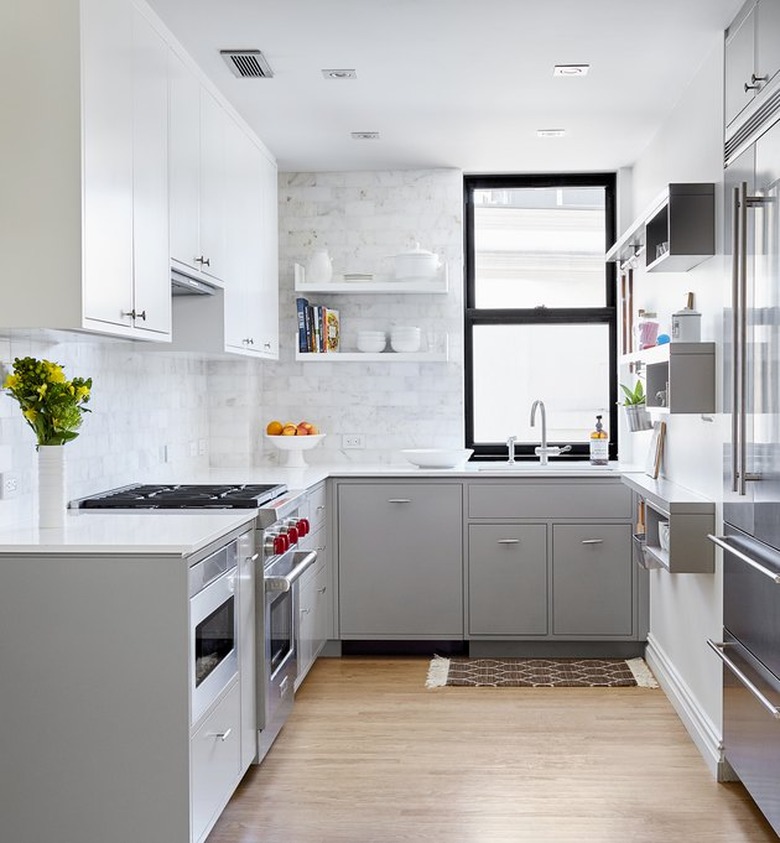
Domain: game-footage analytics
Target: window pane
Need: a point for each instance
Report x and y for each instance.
(566, 366)
(539, 247)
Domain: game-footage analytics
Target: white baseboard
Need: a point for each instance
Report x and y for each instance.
(703, 732)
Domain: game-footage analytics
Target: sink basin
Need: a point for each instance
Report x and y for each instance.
(552, 468)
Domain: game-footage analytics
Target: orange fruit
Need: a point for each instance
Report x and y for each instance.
(274, 428)
(289, 430)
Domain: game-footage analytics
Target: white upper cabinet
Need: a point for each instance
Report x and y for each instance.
(752, 57)
(198, 126)
(83, 172)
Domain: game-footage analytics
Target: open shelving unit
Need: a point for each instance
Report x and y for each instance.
(674, 234)
(380, 285)
(690, 517)
(682, 371)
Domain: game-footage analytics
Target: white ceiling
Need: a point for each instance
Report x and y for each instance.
(454, 83)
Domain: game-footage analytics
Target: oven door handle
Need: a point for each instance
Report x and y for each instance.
(721, 542)
(718, 649)
(286, 583)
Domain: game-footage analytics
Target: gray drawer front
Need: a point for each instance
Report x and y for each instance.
(549, 499)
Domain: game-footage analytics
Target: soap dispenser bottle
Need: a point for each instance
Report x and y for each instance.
(599, 444)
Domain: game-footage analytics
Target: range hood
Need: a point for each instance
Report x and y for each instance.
(184, 285)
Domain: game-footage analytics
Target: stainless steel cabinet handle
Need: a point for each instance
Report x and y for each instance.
(399, 500)
(322, 590)
(285, 583)
(223, 736)
(592, 541)
(743, 206)
(722, 541)
(203, 261)
(508, 541)
(320, 508)
(133, 314)
(767, 704)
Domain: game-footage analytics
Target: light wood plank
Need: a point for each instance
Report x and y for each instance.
(370, 754)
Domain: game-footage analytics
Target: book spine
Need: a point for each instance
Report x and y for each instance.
(301, 305)
(308, 327)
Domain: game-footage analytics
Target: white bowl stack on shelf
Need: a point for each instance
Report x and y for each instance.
(371, 342)
(405, 340)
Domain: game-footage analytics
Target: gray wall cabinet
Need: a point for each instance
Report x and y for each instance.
(400, 560)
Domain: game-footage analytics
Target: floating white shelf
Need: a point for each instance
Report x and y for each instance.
(380, 285)
(382, 357)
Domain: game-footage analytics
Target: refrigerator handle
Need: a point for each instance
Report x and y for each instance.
(735, 267)
(742, 294)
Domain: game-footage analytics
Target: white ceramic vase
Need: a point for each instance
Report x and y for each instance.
(51, 486)
(319, 269)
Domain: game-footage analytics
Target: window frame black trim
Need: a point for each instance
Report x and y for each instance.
(593, 315)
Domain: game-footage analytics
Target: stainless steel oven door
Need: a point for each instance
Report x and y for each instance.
(280, 669)
(213, 628)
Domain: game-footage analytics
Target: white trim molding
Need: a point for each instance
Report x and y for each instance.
(703, 732)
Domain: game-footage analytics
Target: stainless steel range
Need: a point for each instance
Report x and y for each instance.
(278, 531)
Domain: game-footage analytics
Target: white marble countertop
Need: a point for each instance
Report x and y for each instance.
(171, 533)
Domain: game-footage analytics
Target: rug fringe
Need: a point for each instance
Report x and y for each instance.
(438, 670)
(642, 674)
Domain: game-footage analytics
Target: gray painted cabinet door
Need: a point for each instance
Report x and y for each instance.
(400, 560)
(507, 579)
(592, 579)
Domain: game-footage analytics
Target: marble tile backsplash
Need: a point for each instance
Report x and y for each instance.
(362, 219)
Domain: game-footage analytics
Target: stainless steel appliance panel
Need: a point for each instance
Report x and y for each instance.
(751, 599)
(751, 733)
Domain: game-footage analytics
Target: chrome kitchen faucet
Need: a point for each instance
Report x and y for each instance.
(543, 451)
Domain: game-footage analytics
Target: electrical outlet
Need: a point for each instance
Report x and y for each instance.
(193, 448)
(9, 485)
(203, 447)
(352, 440)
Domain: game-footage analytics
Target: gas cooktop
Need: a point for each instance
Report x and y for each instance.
(195, 496)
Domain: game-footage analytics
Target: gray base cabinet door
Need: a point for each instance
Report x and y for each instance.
(592, 580)
(400, 560)
(507, 579)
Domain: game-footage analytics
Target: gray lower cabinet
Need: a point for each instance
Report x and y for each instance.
(592, 580)
(400, 560)
(507, 579)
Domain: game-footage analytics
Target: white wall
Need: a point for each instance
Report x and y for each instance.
(686, 609)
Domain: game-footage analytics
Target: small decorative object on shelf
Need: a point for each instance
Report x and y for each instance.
(319, 269)
(54, 408)
(635, 407)
(686, 323)
(656, 450)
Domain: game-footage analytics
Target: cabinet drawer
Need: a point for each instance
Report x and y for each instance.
(318, 507)
(215, 762)
(549, 499)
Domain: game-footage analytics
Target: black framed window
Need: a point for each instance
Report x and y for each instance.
(540, 315)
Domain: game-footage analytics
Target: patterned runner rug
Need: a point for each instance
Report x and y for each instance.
(539, 673)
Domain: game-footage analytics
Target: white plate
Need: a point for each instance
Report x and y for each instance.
(437, 457)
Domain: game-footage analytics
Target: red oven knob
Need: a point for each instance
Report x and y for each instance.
(292, 535)
(280, 543)
(303, 526)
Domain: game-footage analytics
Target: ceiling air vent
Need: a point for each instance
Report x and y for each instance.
(247, 64)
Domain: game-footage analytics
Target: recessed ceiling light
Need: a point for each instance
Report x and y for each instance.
(550, 133)
(571, 69)
(365, 135)
(339, 73)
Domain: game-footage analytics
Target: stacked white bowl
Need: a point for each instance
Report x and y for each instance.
(371, 341)
(405, 339)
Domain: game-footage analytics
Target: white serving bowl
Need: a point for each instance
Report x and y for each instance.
(295, 446)
(418, 264)
(405, 346)
(438, 457)
(371, 344)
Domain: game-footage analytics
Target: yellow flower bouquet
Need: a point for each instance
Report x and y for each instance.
(52, 405)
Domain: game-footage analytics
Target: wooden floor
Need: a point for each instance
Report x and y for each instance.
(372, 756)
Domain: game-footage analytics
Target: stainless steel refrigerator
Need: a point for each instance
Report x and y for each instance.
(750, 649)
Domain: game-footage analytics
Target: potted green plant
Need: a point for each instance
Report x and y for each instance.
(634, 403)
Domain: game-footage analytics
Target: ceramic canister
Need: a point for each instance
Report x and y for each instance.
(686, 326)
